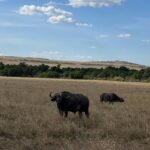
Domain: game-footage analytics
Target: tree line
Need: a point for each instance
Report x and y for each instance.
(44, 71)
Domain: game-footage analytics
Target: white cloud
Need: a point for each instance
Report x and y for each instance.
(12, 24)
(82, 58)
(47, 54)
(55, 15)
(124, 35)
(146, 41)
(101, 36)
(60, 18)
(93, 47)
(56, 3)
(57, 55)
(83, 24)
(94, 3)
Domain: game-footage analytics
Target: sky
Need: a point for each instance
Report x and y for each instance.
(78, 30)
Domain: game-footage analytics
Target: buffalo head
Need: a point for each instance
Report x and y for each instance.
(121, 100)
(56, 97)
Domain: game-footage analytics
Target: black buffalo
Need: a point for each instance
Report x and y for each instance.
(110, 97)
(67, 101)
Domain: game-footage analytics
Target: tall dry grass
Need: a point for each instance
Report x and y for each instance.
(29, 121)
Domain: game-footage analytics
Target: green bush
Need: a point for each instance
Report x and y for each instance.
(76, 75)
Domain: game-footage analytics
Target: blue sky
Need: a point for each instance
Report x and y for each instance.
(81, 30)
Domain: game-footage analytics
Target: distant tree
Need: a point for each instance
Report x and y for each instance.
(76, 75)
(146, 73)
(66, 74)
(53, 74)
(123, 69)
(43, 68)
(56, 68)
(95, 73)
(2, 66)
(101, 75)
(14, 72)
(23, 67)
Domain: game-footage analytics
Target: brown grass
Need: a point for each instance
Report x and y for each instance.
(29, 121)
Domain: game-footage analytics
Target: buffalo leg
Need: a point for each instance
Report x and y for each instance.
(61, 113)
(110, 102)
(80, 114)
(66, 114)
(102, 100)
(87, 114)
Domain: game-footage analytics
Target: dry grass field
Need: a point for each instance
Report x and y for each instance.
(29, 121)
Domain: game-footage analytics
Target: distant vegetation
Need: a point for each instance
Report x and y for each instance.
(44, 71)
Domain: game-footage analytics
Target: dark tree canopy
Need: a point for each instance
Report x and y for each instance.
(44, 71)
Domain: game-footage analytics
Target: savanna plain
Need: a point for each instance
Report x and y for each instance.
(30, 121)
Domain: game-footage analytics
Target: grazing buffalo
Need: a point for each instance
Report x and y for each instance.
(67, 101)
(110, 97)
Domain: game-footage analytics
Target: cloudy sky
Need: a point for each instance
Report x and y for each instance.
(84, 30)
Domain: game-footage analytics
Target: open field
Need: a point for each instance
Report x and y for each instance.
(29, 121)
(72, 64)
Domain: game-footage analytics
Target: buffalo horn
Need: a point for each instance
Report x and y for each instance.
(51, 95)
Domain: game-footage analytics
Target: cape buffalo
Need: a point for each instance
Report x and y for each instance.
(67, 101)
(110, 97)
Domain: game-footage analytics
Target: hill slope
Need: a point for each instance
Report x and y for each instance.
(72, 64)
